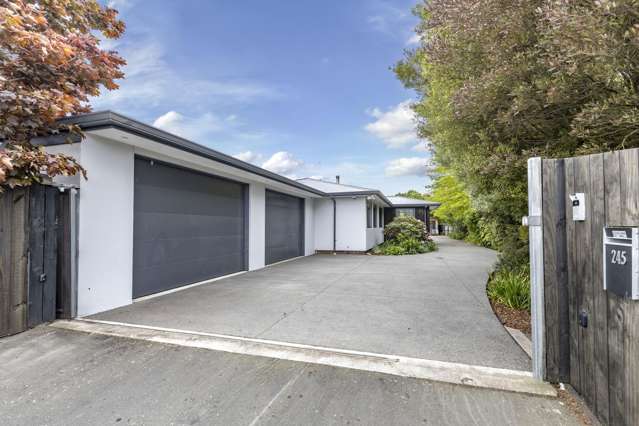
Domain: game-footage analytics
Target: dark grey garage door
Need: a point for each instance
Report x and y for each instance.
(284, 227)
(188, 227)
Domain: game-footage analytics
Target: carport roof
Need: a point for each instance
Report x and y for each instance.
(110, 119)
(411, 202)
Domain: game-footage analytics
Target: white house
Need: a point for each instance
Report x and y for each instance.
(348, 218)
(159, 212)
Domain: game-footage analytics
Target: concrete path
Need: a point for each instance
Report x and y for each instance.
(57, 377)
(430, 306)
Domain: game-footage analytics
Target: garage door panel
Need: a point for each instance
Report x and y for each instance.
(188, 227)
(202, 202)
(284, 227)
(199, 271)
(181, 250)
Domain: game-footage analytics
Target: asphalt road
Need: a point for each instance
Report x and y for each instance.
(55, 377)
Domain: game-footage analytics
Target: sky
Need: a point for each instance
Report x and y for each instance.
(302, 88)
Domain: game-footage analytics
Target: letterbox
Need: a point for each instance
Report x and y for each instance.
(621, 261)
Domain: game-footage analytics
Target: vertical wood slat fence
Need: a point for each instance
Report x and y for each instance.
(600, 360)
(37, 257)
(14, 208)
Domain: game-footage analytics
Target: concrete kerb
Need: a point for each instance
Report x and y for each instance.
(438, 371)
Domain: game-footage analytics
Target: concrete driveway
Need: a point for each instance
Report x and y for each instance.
(430, 306)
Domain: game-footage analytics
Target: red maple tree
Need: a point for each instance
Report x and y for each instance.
(51, 63)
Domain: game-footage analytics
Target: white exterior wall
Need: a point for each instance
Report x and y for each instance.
(105, 237)
(323, 218)
(374, 236)
(352, 233)
(257, 226)
(351, 224)
(309, 227)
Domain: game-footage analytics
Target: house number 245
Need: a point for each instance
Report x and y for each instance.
(618, 257)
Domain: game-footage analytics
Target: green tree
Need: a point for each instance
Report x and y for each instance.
(455, 208)
(501, 81)
(416, 195)
(50, 64)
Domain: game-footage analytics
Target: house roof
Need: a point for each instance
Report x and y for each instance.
(110, 119)
(411, 202)
(331, 187)
(341, 190)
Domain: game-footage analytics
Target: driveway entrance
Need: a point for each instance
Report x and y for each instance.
(431, 306)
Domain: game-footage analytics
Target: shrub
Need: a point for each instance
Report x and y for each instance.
(511, 287)
(406, 227)
(405, 235)
(457, 234)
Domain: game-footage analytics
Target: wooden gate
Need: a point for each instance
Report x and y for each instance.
(37, 256)
(588, 337)
(43, 246)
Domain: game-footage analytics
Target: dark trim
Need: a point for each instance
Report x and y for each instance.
(109, 119)
(57, 139)
(409, 206)
(425, 204)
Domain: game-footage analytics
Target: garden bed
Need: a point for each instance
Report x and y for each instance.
(509, 293)
(513, 318)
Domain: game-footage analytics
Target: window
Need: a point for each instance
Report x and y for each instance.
(406, 212)
(381, 217)
(368, 215)
(374, 216)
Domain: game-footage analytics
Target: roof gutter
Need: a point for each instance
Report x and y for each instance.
(362, 193)
(109, 119)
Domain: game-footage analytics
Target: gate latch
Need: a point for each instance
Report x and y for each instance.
(583, 319)
(42, 278)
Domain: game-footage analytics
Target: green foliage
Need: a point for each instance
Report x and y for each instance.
(511, 287)
(405, 227)
(458, 211)
(455, 208)
(405, 235)
(416, 195)
(500, 82)
(457, 234)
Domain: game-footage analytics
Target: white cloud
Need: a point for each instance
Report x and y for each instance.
(395, 127)
(387, 17)
(249, 156)
(411, 166)
(422, 146)
(413, 40)
(283, 162)
(119, 4)
(151, 82)
(197, 128)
